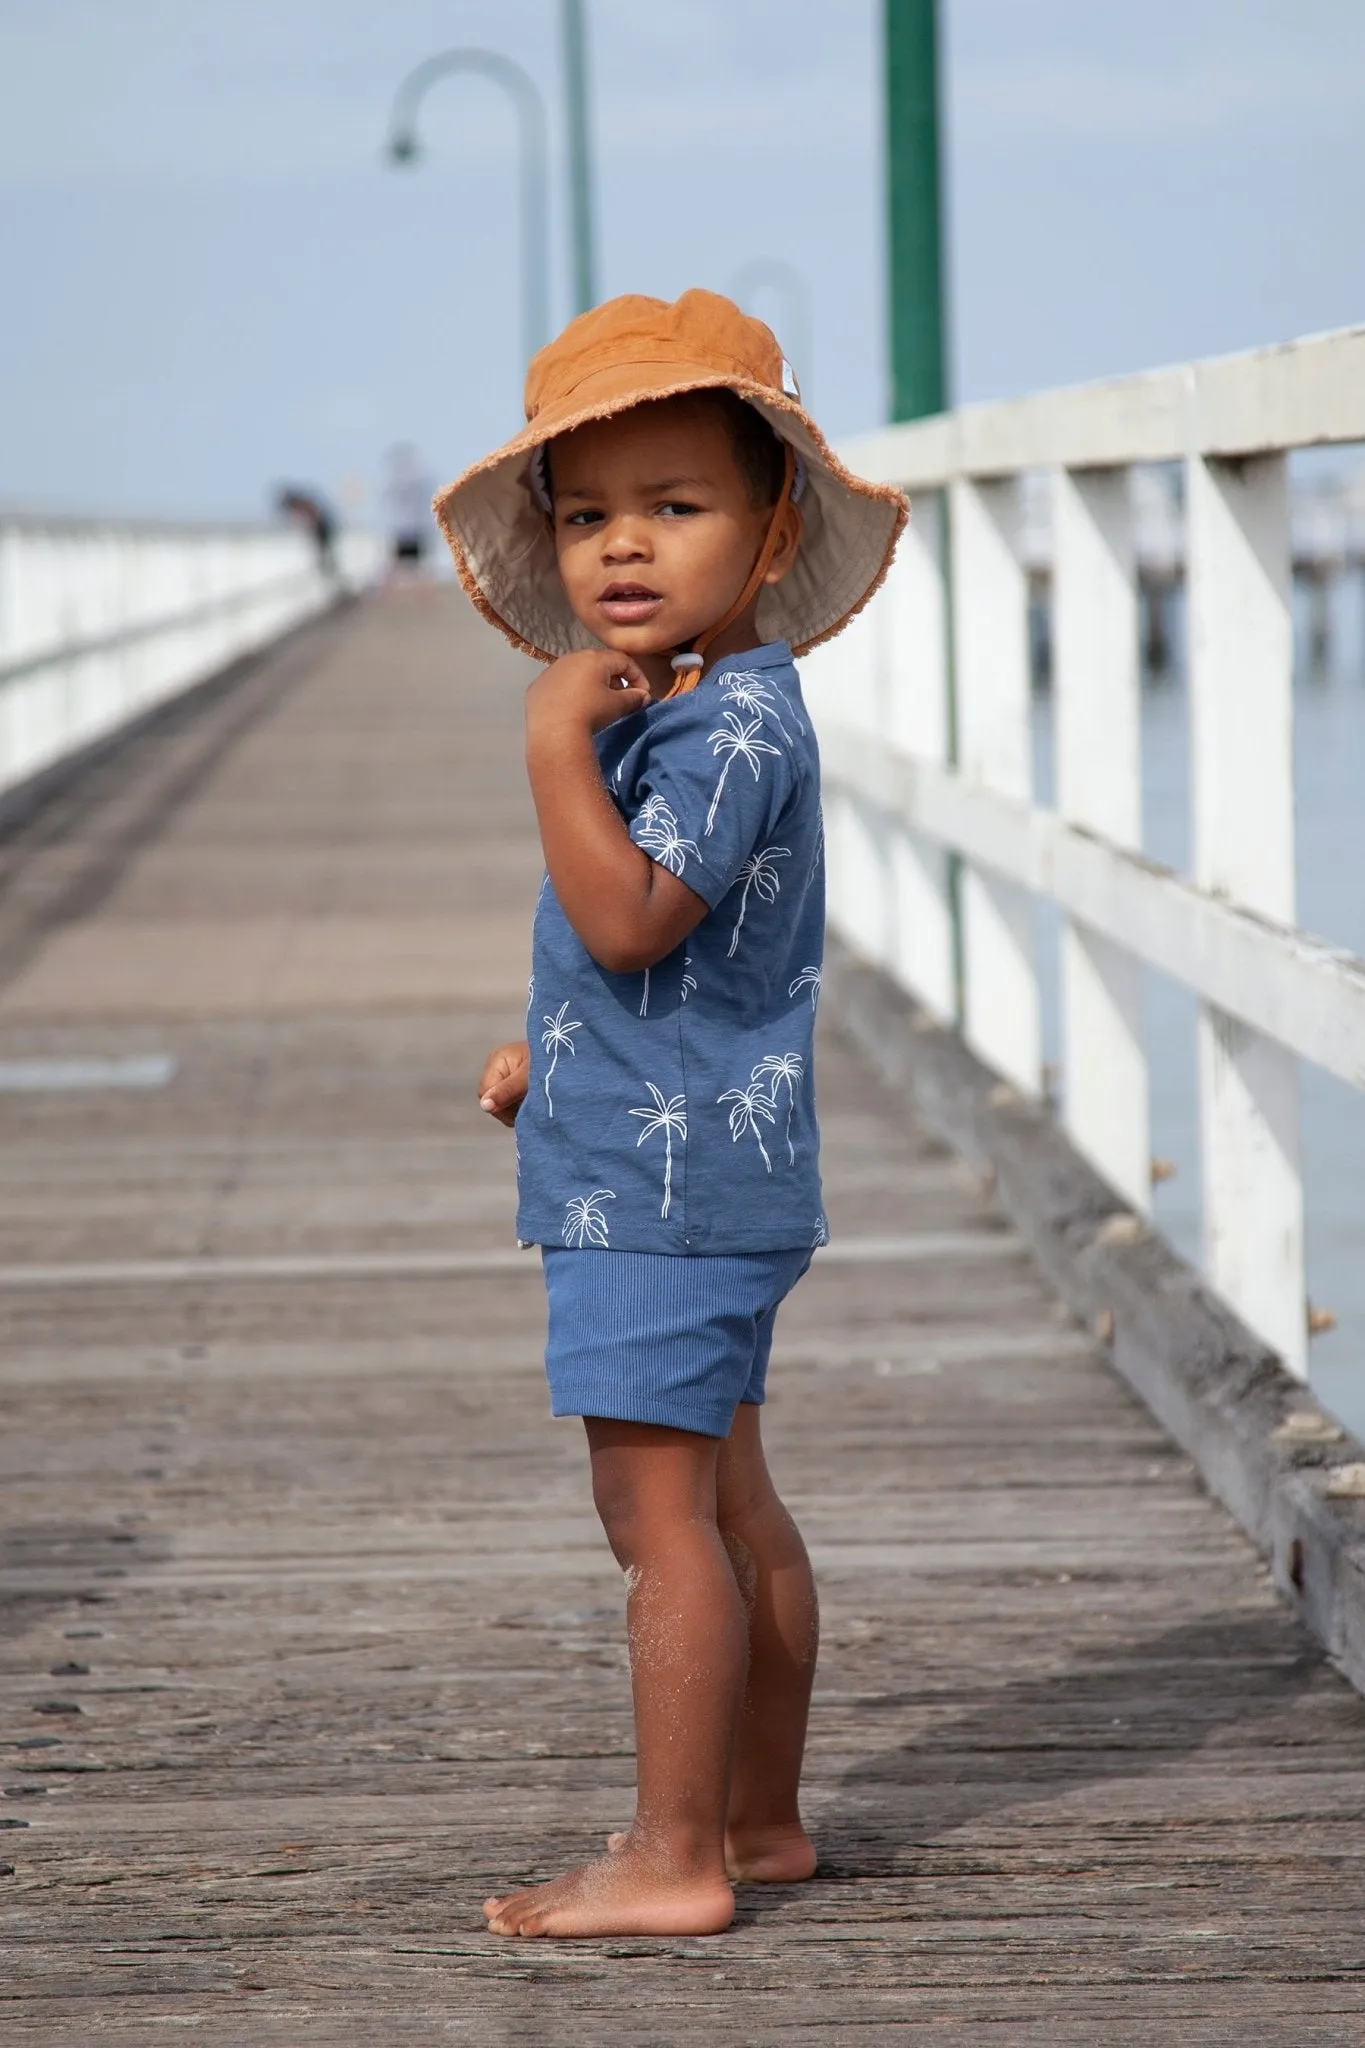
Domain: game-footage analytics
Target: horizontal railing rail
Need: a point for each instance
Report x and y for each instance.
(102, 620)
(938, 851)
(1299, 394)
(1306, 995)
(299, 583)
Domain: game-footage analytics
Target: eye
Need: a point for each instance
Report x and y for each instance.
(586, 518)
(678, 508)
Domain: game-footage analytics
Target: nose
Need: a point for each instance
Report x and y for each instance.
(625, 539)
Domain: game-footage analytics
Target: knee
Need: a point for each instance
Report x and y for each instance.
(652, 1488)
(644, 1519)
(742, 1500)
(622, 1514)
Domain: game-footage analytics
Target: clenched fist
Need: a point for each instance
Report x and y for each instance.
(504, 1081)
(591, 689)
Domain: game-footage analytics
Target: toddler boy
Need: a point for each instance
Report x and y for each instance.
(666, 531)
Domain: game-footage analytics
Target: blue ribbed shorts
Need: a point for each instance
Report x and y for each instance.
(662, 1337)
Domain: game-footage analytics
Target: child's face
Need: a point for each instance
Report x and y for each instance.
(655, 528)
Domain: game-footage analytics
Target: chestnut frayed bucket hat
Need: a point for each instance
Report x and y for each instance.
(625, 353)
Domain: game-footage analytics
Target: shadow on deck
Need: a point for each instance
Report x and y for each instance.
(308, 1636)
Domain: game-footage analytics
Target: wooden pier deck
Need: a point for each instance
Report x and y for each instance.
(307, 1634)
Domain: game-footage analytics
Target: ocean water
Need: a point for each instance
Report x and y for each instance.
(1329, 787)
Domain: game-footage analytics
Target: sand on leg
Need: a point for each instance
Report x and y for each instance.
(655, 1490)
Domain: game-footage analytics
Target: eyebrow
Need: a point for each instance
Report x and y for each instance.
(674, 483)
(654, 489)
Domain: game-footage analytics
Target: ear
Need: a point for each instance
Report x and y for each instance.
(788, 544)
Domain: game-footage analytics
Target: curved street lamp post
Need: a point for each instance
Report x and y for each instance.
(580, 167)
(403, 148)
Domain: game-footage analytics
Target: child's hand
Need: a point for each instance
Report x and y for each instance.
(504, 1081)
(592, 689)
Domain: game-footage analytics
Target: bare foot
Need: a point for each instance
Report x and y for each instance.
(625, 1893)
(781, 1855)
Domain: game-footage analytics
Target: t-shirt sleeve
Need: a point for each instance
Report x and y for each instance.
(713, 781)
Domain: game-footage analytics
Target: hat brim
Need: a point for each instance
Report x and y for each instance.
(504, 550)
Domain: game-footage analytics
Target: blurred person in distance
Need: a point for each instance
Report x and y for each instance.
(407, 498)
(308, 510)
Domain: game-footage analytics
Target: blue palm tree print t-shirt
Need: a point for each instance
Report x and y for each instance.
(674, 1110)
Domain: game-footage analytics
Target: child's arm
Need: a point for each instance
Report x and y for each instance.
(628, 911)
(504, 1080)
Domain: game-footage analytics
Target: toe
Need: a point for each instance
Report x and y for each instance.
(502, 1913)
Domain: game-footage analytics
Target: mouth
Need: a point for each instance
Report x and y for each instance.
(629, 604)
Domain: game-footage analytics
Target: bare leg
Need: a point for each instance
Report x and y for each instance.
(765, 1841)
(655, 1490)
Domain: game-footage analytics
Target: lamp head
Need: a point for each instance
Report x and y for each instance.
(403, 147)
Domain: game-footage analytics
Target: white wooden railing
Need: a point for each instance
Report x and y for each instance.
(924, 714)
(103, 619)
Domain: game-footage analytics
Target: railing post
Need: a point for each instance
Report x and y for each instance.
(1097, 710)
(912, 623)
(843, 681)
(991, 669)
(1241, 742)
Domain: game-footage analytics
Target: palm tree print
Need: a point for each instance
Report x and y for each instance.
(809, 977)
(667, 845)
(644, 1000)
(821, 1233)
(556, 1038)
(656, 831)
(737, 740)
(782, 1070)
(689, 979)
(758, 872)
(585, 1220)
(670, 1117)
(751, 1107)
(747, 689)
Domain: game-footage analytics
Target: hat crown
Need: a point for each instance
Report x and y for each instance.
(702, 335)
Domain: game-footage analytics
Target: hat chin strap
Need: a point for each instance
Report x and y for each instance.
(689, 663)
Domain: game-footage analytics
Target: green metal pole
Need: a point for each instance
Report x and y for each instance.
(914, 209)
(919, 350)
(580, 169)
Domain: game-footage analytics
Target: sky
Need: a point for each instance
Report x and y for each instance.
(213, 282)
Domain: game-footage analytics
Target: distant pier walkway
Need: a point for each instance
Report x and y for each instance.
(308, 1637)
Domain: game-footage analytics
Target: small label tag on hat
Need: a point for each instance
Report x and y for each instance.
(790, 387)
